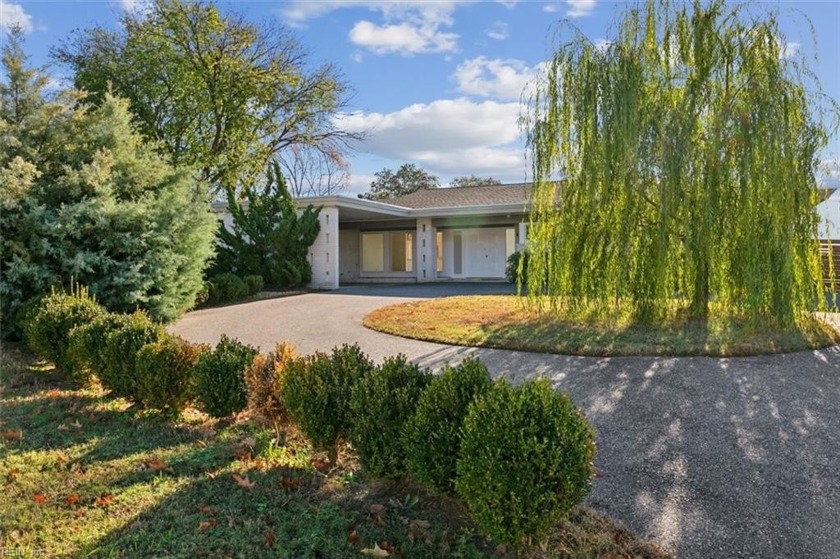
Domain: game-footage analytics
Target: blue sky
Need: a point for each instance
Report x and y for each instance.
(436, 83)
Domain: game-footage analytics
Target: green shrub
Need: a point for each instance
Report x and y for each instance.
(264, 379)
(164, 373)
(86, 351)
(122, 343)
(229, 287)
(219, 377)
(380, 406)
(48, 325)
(253, 283)
(512, 271)
(525, 461)
(317, 389)
(432, 436)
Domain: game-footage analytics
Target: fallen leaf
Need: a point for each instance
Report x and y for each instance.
(62, 427)
(319, 464)
(244, 482)
(80, 513)
(104, 500)
(54, 393)
(214, 472)
(12, 435)
(375, 551)
(212, 511)
(61, 459)
(269, 539)
(231, 522)
(155, 464)
(207, 524)
(353, 537)
(289, 484)
(39, 498)
(11, 475)
(76, 424)
(72, 499)
(249, 442)
(377, 509)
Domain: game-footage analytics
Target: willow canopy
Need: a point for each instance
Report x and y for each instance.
(687, 150)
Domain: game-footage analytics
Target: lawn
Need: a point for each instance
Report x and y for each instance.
(87, 475)
(502, 321)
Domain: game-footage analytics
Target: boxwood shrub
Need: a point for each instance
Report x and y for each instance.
(122, 343)
(219, 377)
(48, 324)
(164, 373)
(381, 404)
(264, 379)
(317, 390)
(432, 436)
(526, 460)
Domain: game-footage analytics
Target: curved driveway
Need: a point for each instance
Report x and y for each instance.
(708, 457)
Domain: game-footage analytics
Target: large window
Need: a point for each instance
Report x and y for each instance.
(439, 246)
(392, 252)
(373, 253)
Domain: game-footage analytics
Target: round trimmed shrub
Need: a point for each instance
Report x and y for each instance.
(86, 351)
(432, 436)
(317, 390)
(164, 373)
(526, 460)
(253, 283)
(219, 377)
(130, 333)
(48, 325)
(264, 379)
(229, 287)
(380, 406)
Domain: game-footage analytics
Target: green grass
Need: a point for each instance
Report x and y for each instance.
(115, 481)
(501, 321)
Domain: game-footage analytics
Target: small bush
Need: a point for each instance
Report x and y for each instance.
(525, 461)
(47, 326)
(317, 390)
(164, 373)
(122, 343)
(380, 406)
(86, 351)
(512, 271)
(219, 377)
(253, 284)
(229, 287)
(264, 379)
(432, 436)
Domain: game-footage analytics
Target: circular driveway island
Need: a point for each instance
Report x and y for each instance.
(709, 457)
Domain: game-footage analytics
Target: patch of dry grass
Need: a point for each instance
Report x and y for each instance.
(502, 321)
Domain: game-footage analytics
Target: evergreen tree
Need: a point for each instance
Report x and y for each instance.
(267, 236)
(84, 198)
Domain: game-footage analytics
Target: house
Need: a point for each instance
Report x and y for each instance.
(430, 235)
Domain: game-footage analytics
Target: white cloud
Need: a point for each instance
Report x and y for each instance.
(498, 31)
(13, 15)
(508, 3)
(580, 8)
(601, 45)
(497, 78)
(357, 57)
(550, 8)
(788, 50)
(407, 27)
(403, 38)
(456, 136)
(135, 6)
(359, 183)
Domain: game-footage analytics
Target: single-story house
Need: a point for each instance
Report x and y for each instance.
(431, 235)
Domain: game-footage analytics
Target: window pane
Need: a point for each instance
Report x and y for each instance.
(439, 248)
(456, 252)
(402, 252)
(373, 252)
(510, 241)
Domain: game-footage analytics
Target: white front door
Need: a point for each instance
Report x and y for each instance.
(484, 252)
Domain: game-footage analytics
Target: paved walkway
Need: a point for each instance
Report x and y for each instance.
(710, 458)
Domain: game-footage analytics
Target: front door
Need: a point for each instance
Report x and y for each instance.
(484, 252)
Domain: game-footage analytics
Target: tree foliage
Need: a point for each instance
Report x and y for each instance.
(473, 180)
(84, 198)
(408, 178)
(267, 236)
(313, 171)
(217, 91)
(688, 148)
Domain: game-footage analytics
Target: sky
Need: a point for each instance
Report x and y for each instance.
(436, 83)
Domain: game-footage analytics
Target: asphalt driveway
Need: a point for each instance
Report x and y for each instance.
(708, 457)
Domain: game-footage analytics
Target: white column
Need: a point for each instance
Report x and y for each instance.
(425, 262)
(323, 254)
(522, 236)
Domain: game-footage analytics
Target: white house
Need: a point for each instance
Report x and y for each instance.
(430, 235)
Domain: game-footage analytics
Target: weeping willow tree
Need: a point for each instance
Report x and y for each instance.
(687, 150)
